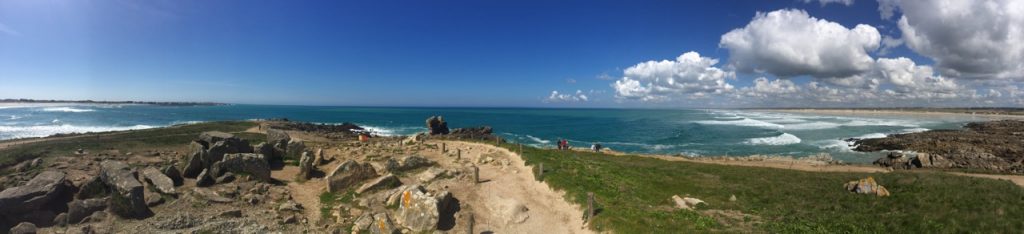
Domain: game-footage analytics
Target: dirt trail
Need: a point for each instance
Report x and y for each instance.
(508, 187)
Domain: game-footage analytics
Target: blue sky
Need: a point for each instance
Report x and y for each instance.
(412, 53)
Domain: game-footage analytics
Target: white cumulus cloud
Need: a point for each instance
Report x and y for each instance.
(689, 75)
(826, 2)
(790, 42)
(968, 39)
(555, 97)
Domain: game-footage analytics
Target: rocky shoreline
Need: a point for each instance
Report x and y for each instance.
(995, 146)
(220, 183)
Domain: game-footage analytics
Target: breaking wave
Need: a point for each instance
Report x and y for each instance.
(9, 132)
(67, 109)
(784, 139)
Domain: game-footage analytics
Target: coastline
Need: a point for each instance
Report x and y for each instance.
(889, 112)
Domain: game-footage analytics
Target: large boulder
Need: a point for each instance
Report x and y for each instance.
(247, 163)
(267, 150)
(24, 228)
(228, 146)
(867, 186)
(295, 149)
(37, 200)
(162, 183)
(92, 188)
(348, 174)
(174, 174)
(388, 181)
(80, 209)
(194, 160)
(437, 126)
(305, 165)
(419, 211)
(413, 162)
(214, 136)
(276, 136)
(127, 199)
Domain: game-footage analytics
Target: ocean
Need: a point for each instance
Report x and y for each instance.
(689, 132)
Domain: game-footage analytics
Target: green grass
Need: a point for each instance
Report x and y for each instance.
(329, 200)
(176, 136)
(633, 196)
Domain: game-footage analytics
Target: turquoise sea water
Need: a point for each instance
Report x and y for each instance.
(691, 132)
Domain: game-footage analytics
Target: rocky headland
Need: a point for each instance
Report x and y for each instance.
(995, 146)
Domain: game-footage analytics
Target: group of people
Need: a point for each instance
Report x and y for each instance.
(563, 144)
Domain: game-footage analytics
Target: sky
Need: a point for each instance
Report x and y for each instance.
(622, 54)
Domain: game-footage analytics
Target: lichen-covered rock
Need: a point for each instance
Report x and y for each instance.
(413, 162)
(194, 160)
(247, 163)
(162, 183)
(867, 186)
(418, 211)
(382, 224)
(384, 182)
(127, 199)
(348, 174)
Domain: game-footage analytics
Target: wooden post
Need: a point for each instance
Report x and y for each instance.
(469, 222)
(590, 206)
(476, 175)
(444, 148)
(541, 172)
(458, 154)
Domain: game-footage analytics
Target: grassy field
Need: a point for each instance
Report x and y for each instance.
(176, 136)
(633, 195)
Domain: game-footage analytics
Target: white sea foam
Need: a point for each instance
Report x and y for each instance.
(837, 145)
(812, 126)
(538, 140)
(747, 122)
(784, 139)
(389, 131)
(67, 109)
(8, 132)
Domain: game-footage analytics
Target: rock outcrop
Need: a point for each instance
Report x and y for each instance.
(991, 146)
(305, 166)
(419, 211)
(295, 149)
(80, 209)
(384, 182)
(247, 163)
(127, 199)
(194, 160)
(437, 126)
(161, 182)
(37, 201)
(348, 174)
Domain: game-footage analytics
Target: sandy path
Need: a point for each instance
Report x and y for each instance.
(1016, 179)
(497, 203)
(306, 193)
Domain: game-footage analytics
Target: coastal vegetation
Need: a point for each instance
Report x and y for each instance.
(633, 196)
